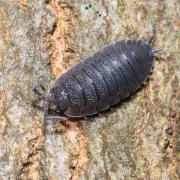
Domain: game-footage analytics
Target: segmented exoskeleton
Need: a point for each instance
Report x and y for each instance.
(101, 80)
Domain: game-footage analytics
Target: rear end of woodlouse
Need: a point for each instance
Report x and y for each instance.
(101, 80)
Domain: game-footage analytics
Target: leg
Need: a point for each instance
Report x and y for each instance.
(40, 108)
(52, 117)
(40, 84)
(150, 39)
(36, 91)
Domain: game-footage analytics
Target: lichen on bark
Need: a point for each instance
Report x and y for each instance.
(138, 139)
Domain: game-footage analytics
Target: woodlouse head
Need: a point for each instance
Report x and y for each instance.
(56, 101)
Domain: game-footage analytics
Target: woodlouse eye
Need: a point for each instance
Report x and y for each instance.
(53, 107)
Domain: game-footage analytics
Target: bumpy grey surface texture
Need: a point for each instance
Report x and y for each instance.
(138, 139)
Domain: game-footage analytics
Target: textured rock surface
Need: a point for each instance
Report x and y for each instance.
(138, 139)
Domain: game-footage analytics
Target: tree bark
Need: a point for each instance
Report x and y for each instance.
(138, 139)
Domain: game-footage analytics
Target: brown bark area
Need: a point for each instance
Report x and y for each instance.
(138, 139)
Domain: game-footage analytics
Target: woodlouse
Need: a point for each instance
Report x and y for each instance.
(101, 80)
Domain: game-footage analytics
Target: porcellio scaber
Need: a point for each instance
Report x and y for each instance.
(100, 81)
